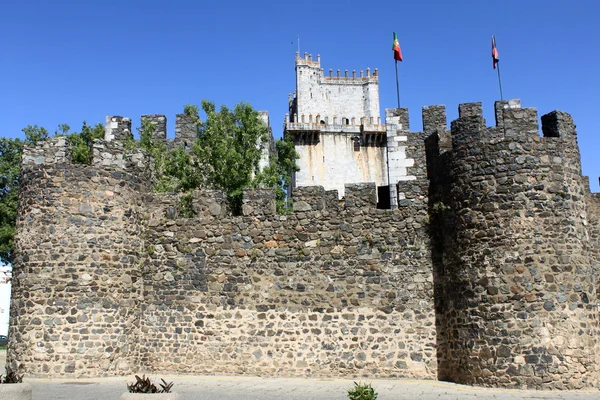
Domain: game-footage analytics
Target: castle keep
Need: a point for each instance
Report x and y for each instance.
(485, 271)
(335, 124)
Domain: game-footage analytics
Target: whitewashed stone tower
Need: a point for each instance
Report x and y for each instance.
(336, 125)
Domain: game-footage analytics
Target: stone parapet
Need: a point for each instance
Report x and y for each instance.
(52, 151)
(118, 128)
(159, 124)
(186, 131)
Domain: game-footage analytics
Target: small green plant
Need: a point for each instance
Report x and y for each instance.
(186, 208)
(145, 385)
(439, 207)
(518, 384)
(11, 376)
(362, 391)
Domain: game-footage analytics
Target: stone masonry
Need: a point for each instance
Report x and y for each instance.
(485, 272)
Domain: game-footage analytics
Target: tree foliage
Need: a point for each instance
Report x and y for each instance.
(34, 134)
(10, 161)
(225, 155)
(278, 174)
(229, 147)
(81, 142)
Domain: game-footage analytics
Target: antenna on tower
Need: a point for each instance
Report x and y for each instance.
(298, 44)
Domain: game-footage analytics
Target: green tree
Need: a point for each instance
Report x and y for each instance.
(10, 166)
(34, 134)
(229, 147)
(225, 156)
(63, 129)
(81, 142)
(174, 169)
(278, 174)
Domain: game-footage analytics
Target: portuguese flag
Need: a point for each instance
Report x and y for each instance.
(495, 57)
(396, 48)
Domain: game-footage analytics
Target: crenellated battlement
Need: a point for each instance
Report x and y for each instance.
(117, 128)
(513, 123)
(346, 79)
(55, 150)
(159, 124)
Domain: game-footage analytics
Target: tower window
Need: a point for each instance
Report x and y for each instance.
(356, 141)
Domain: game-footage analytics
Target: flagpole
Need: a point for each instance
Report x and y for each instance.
(499, 80)
(397, 86)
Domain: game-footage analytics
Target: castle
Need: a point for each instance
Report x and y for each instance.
(485, 272)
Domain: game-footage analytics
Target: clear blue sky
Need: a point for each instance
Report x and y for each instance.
(69, 61)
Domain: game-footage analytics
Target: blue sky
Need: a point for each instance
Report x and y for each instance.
(69, 61)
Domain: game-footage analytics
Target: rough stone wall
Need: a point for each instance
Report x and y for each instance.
(159, 135)
(77, 275)
(405, 154)
(110, 279)
(517, 287)
(185, 130)
(593, 219)
(117, 128)
(331, 290)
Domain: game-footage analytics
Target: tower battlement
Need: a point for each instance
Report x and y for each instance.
(338, 78)
(56, 152)
(343, 97)
(513, 124)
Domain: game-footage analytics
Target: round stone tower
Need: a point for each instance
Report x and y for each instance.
(76, 276)
(520, 280)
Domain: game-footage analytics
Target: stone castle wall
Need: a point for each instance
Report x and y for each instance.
(485, 273)
(328, 291)
(117, 281)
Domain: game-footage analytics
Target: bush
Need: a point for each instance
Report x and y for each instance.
(362, 392)
(145, 385)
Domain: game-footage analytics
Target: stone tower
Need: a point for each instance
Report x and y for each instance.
(515, 271)
(336, 125)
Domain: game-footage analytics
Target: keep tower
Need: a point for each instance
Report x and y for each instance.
(336, 126)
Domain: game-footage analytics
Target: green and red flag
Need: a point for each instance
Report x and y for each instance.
(495, 57)
(396, 48)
